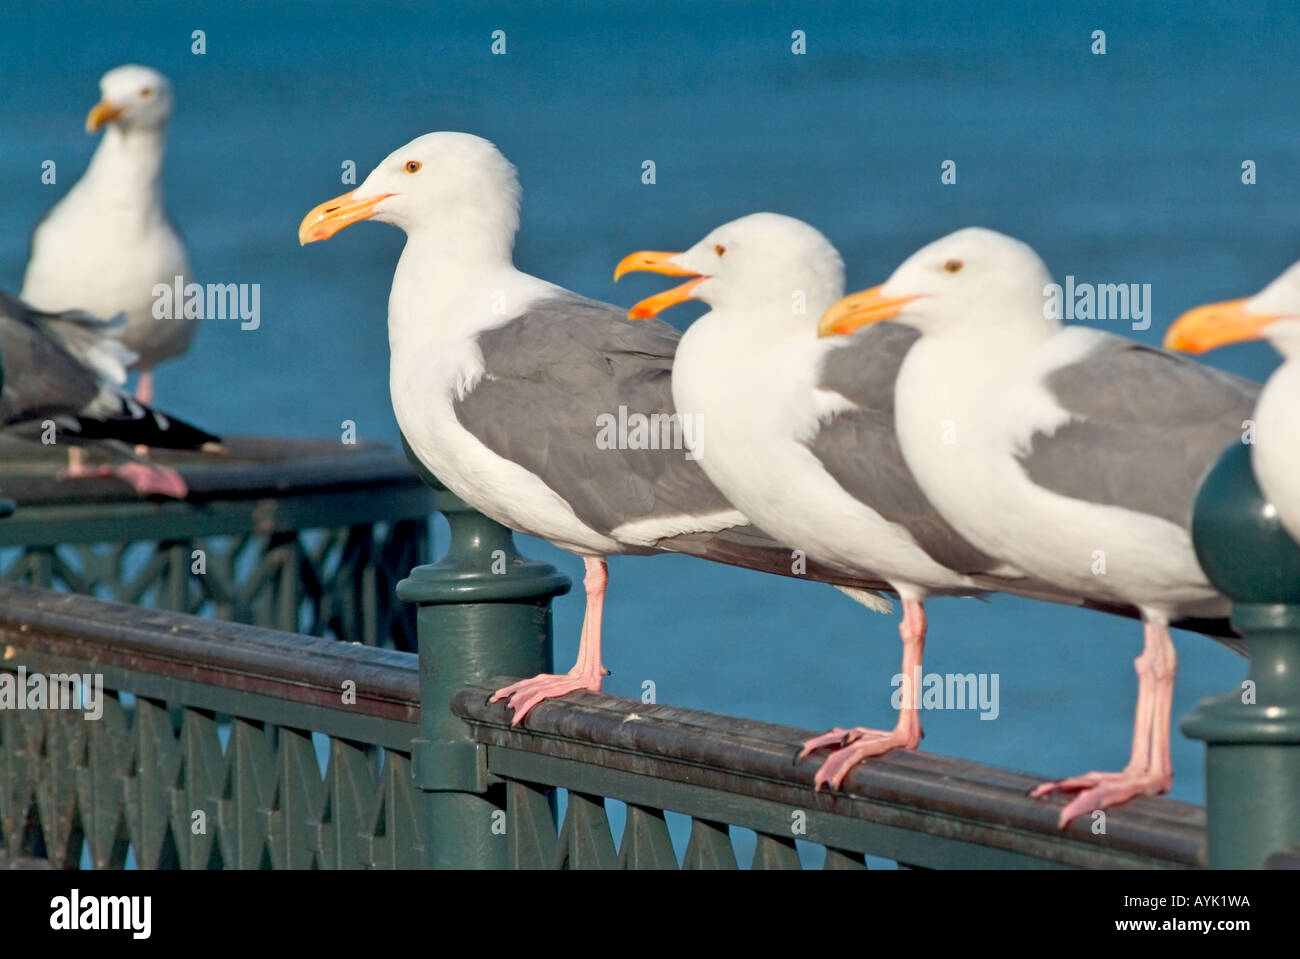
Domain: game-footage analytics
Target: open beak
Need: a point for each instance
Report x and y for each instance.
(333, 215)
(1216, 324)
(101, 113)
(656, 262)
(858, 309)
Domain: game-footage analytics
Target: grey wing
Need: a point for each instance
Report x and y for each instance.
(93, 342)
(1146, 427)
(860, 449)
(553, 377)
(42, 378)
(551, 372)
(749, 547)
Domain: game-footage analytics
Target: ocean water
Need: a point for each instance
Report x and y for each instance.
(1124, 167)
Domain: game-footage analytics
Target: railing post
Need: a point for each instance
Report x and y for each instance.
(1252, 734)
(483, 611)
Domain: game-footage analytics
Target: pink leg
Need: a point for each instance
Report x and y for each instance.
(586, 673)
(144, 393)
(854, 745)
(150, 480)
(144, 388)
(147, 480)
(77, 468)
(1150, 769)
(76, 463)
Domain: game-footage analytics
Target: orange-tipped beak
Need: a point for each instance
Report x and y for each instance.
(1216, 324)
(101, 113)
(858, 309)
(333, 215)
(651, 261)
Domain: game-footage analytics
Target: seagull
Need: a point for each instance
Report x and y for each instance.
(500, 382)
(1273, 314)
(1069, 453)
(106, 245)
(63, 376)
(801, 435)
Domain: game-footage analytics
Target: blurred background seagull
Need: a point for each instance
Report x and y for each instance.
(1272, 314)
(105, 245)
(67, 368)
(1071, 453)
(498, 381)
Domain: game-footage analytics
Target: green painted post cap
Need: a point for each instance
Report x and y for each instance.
(481, 564)
(1239, 541)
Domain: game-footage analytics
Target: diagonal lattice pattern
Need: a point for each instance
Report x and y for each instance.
(327, 582)
(188, 788)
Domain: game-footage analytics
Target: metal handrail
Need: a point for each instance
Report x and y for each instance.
(236, 746)
(301, 535)
(922, 809)
(276, 688)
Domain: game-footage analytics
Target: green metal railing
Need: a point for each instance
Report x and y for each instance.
(237, 746)
(1252, 733)
(219, 744)
(248, 748)
(922, 810)
(258, 540)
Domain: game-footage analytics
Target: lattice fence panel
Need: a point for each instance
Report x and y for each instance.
(189, 788)
(332, 582)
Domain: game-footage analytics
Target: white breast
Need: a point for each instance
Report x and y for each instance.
(757, 404)
(434, 359)
(961, 432)
(106, 258)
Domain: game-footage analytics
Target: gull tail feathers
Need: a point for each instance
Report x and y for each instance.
(117, 416)
(94, 342)
(868, 598)
(750, 548)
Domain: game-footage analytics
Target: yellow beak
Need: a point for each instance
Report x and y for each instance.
(101, 113)
(1216, 324)
(651, 261)
(859, 309)
(333, 215)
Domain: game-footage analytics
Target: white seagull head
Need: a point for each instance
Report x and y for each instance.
(972, 282)
(761, 262)
(1273, 314)
(456, 184)
(132, 97)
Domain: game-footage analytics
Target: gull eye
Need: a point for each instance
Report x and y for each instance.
(719, 249)
(952, 266)
(413, 166)
(146, 93)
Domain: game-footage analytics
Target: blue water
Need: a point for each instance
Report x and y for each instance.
(1117, 168)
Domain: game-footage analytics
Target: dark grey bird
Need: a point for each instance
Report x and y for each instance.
(63, 376)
